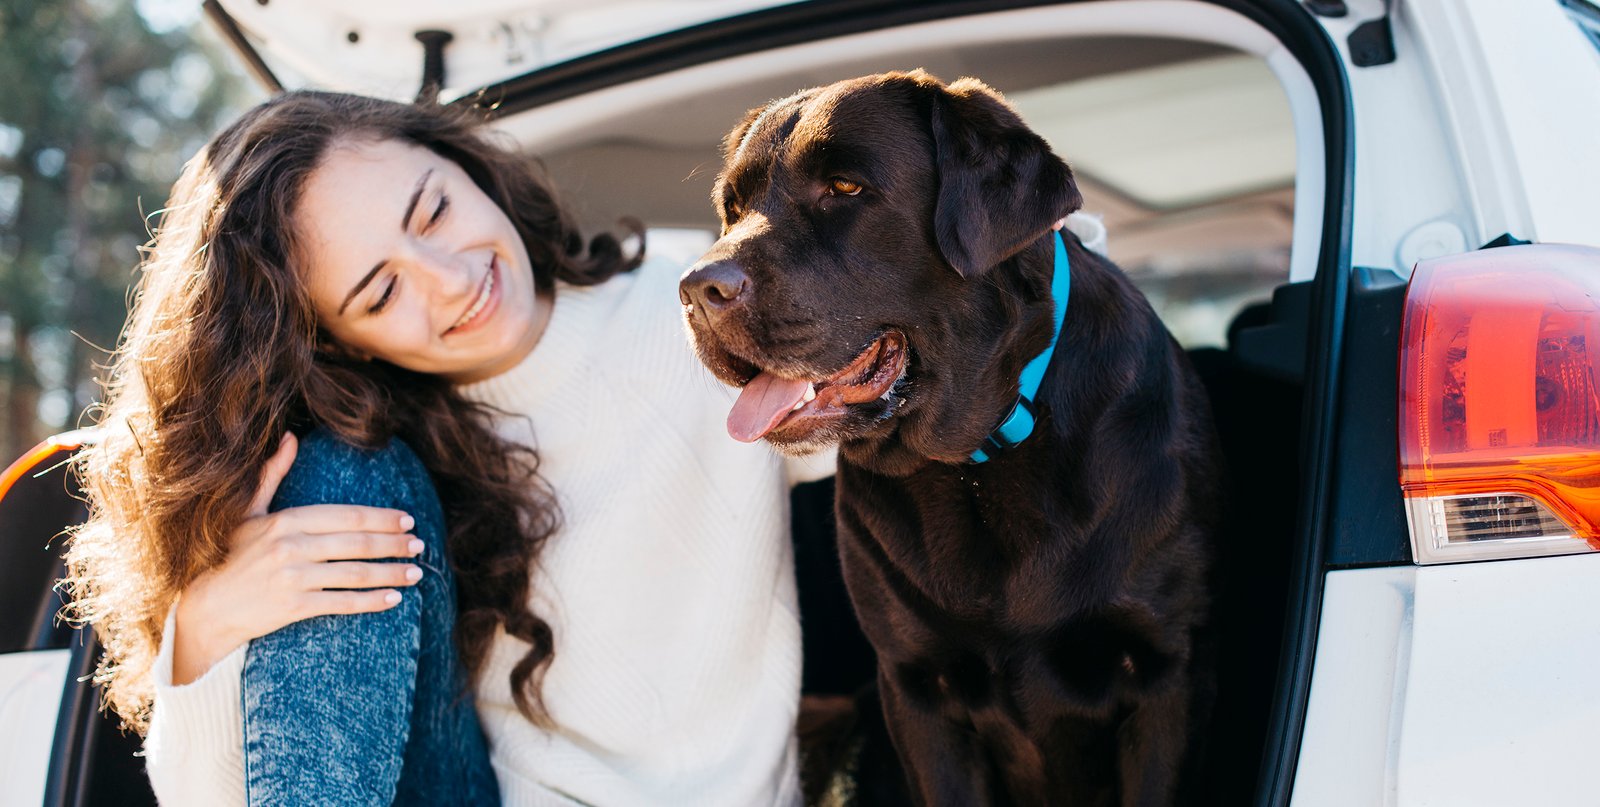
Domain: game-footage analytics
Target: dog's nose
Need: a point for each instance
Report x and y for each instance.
(717, 287)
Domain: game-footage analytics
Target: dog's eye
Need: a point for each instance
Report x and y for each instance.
(839, 186)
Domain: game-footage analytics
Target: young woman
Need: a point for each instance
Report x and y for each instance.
(409, 299)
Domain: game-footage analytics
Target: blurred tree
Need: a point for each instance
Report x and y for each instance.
(104, 101)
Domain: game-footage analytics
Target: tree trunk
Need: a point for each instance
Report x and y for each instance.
(22, 410)
(81, 159)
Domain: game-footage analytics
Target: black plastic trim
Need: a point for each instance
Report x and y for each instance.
(1309, 43)
(70, 751)
(1372, 43)
(720, 39)
(433, 77)
(1369, 522)
(1277, 347)
(42, 501)
(230, 31)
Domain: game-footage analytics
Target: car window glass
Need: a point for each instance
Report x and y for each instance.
(1192, 165)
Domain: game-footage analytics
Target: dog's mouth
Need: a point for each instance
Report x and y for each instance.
(769, 403)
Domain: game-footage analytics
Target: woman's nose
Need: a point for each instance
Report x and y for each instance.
(447, 273)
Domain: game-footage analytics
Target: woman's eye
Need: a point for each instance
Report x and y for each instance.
(383, 300)
(839, 186)
(438, 212)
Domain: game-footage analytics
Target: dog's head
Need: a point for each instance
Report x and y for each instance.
(867, 284)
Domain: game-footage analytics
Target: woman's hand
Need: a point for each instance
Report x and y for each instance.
(283, 568)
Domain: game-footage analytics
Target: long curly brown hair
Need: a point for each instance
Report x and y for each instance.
(221, 355)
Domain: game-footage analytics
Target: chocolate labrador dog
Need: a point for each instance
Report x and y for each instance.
(886, 274)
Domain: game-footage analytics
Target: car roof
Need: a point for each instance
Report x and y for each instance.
(372, 46)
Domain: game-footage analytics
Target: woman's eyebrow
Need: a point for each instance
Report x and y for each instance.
(405, 220)
(361, 284)
(416, 194)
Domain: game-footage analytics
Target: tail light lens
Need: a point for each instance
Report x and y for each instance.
(1500, 408)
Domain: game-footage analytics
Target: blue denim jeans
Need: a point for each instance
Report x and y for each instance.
(366, 708)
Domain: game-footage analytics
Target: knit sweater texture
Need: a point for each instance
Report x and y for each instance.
(669, 587)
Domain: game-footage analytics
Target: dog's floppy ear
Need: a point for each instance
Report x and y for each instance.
(731, 141)
(1000, 185)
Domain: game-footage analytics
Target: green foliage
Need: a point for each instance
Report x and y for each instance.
(97, 117)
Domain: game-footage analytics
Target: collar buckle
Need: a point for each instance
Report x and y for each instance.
(1016, 427)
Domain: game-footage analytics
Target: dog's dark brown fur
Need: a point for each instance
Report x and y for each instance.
(1035, 617)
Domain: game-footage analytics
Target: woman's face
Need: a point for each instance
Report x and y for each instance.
(408, 261)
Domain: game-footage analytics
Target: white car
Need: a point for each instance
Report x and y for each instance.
(1405, 609)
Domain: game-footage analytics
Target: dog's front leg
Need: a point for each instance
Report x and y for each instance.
(1151, 744)
(943, 763)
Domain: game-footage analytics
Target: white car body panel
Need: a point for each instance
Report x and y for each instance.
(30, 701)
(1456, 685)
(1499, 703)
(1463, 684)
(1519, 80)
(1406, 179)
(1357, 689)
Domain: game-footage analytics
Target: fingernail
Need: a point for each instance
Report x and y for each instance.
(413, 574)
(392, 598)
(415, 546)
(407, 522)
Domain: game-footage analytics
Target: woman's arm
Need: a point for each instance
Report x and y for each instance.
(279, 572)
(194, 752)
(289, 565)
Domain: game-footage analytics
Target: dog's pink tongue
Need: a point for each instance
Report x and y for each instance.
(762, 404)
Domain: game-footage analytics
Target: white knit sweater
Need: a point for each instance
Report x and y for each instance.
(670, 587)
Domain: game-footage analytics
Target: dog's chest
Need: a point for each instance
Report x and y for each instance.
(952, 544)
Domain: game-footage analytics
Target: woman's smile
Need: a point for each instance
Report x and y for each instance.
(483, 305)
(410, 262)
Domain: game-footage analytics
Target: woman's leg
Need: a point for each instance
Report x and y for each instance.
(366, 708)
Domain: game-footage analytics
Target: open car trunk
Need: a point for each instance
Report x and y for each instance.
(1211, 136)
(1198, 134)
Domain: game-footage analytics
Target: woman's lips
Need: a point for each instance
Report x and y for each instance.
(483, 304)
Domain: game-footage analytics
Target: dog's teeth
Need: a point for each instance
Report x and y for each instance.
(811, 394)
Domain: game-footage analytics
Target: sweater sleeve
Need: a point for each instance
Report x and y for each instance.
(194, 753)
(811, 467)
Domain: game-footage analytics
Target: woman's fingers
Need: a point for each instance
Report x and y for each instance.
(322, 519)
(354, 546)
(273, 472)
(358, 575)
(352, 602)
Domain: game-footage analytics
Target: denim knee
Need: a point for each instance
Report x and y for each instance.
(366, 706)
(328, 470)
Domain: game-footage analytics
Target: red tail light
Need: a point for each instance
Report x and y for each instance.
(1500, 409)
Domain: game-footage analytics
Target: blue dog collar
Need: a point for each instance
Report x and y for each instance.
(1018, 424)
